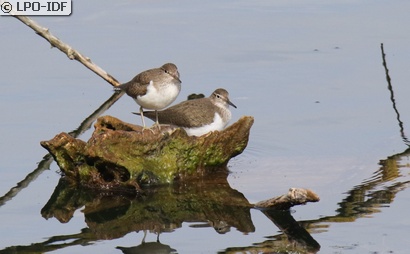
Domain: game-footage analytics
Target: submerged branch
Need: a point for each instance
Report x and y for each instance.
(67, 49)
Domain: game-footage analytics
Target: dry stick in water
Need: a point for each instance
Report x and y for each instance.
(72, 54)
(67, 49)
(295, 196)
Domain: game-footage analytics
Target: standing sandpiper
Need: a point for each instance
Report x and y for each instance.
(154, 89)
(198, 116)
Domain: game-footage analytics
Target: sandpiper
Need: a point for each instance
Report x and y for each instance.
(198, 116)
(154, 89)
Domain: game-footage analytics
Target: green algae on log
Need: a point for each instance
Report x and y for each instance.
(120, 154)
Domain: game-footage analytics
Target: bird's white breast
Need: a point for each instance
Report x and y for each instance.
(158, 98)
(218, 124)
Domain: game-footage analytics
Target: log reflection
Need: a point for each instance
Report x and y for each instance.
(206, 202)
(211, 203)
(158, 210)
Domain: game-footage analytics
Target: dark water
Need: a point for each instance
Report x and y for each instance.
(310, 73)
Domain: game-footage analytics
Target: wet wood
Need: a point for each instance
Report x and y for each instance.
(120, 155)
(295, 196)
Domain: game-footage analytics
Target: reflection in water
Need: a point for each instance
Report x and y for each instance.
(161, 209)
(373, 194)
(221, 227)
(48, 159)
(208, 203)
(205, 202)
(363, 200)
(295, 238)
(390, 87)
(42, 165)
(296, 234)
(54, 243)
(148, 247)
(158, 210)
(86, 124)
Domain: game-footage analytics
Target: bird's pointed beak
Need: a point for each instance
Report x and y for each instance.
(177, 77)
(230, 103)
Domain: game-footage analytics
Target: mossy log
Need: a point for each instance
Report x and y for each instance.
(120, 154)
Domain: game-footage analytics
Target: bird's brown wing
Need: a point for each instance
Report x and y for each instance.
(138, 85)
(185, 114)
(134, 89)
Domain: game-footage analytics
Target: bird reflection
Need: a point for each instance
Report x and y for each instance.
(220, 226)
(148, 247)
